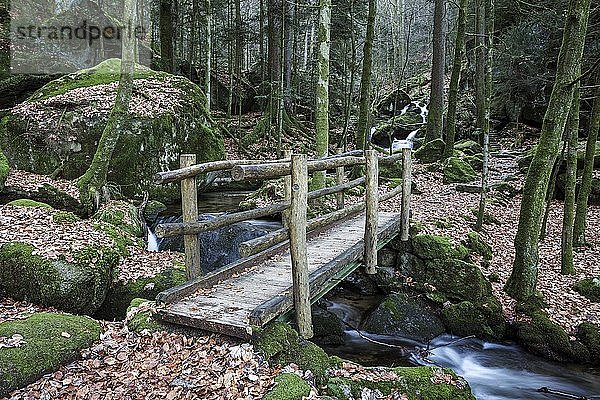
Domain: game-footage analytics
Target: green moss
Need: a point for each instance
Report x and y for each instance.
(443, 223)
(484, 320)
(288, 387)
(431, 383)
(469, 147)
(589, 288)
(28, 203)
(431, 151)
(476, 243)
(50, 340)
(393, 171)
(429, 247)
(589, 335)
(77, 285)
(121, 214)
(476, 161)
(65, 217)
(456, 279)
(144, 320)
(153, 208)
(544, 337)
(4, 169)
(121, 238)
(457, 170)
(280, 343)
(120, 296)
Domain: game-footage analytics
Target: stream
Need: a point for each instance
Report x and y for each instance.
(495, 371)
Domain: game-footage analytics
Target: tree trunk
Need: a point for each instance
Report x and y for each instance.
(459, 54)
(239, 40)
(588, 169)
(572, 131)
(166, 36)
(480, 62)
(435, 118)
(365, 81)
(92, 184)
(522, 282)
(322, 90)
(208, 47)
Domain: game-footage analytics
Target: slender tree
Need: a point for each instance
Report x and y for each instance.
(480, 62)
(92, 184)
(364, 112)
(588, 168)
(167, 54)
(571, 134)
(435, 118)
(322, 90)
(208, 52)
(459, 54)
(522, 281)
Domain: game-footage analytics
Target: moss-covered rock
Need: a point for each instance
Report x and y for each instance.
(141, 316)
(402, 315)
(58, 127)
(152, 210)
(64, 217)
(77, 285)
(417, 383)
(279, 343)
(288, 387)
(327, 327)
(49, 340)
(589, 288)
(120, 295)
(542, 336)
(431, 152)
(468, 147)
(457, 170)
(476, 243)
(484, 320)
(458, 280)
(588, 334)
(121, 214)
(429, 247)
(28, 203)
(475, 161)
(4, 169)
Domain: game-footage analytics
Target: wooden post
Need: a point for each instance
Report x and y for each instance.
(287, 191)
(189, 207)
(339, 173)
(297, 232)
(406, 192)
(371, 214)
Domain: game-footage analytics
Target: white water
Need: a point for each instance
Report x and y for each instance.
(152, 241)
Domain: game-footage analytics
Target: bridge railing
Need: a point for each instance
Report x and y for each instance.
(295, 168)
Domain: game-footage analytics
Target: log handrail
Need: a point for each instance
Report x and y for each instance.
(295, 168)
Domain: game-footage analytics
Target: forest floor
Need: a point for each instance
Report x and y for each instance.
(207, 366)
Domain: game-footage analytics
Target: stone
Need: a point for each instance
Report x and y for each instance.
(476, 243)
(430, 152)
(457, 170)
(429, 247)
(121, 214)
(542, 336)
(288, 386)
(402, 315)
(49, 340)
(589, 335)
(327, 327)
(590, 288)
(57, 129)
(468, 147)
(484, 320)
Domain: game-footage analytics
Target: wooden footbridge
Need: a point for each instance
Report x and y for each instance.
(292, 267)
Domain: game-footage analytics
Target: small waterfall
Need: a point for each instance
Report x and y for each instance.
(152, 241)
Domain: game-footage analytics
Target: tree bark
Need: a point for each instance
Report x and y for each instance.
(365, 81)
(166, 36)
(480, 62)
(208, 46)
(588, 169)
(459, 54)
(435, 118)
(523, 279)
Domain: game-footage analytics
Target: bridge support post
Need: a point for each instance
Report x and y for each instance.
(371, 214)
(298, 250)
(339, 175)
(189, 207)
(406, 192)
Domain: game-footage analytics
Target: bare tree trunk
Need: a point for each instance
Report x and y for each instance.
(480, 62)
(522, 282)
(92, 184)
(208, 46)
(435, 118)
(364, 113)
(166, 36)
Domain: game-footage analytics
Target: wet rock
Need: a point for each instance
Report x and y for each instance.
(327, 327)
(484, 320)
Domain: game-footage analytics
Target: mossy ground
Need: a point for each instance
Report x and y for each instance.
(28, 203)
(50, 340)
(121, 214)
(4, 169)
(288, 387)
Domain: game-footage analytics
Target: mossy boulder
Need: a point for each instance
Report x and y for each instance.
(457, 280)
(484, 320)
(406, 316)
(431, 151)
(120, 294)
(457, 170)
(141, 316)
(78, 284)
(327, 327)
(417, 383)
(589, 288)
(588, 334)
(28, 203)
(476, 243)
(4, 169)
(152, 210)
(468, 147)
(48, 341)
(540, 335)
(430, 247)
(57, 129)
(288, 387)
(279, 343)
(475, 161)
(121, 214)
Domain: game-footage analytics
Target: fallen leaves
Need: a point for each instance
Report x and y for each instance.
(15, 340)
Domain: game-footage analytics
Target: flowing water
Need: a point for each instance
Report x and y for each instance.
(495, 371)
